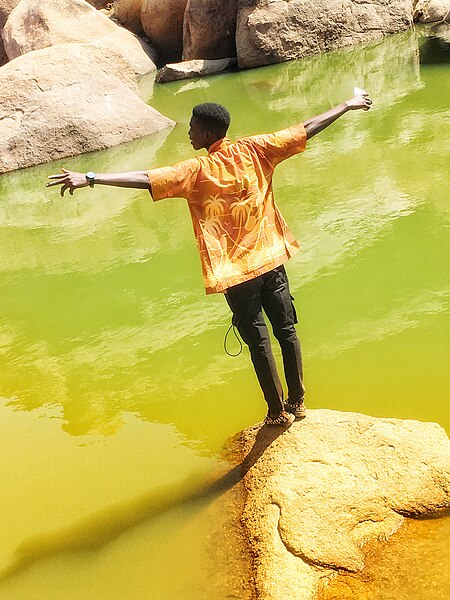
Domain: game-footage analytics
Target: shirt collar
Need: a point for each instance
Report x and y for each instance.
(219, 145)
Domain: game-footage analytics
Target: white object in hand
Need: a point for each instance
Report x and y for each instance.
(359, 92)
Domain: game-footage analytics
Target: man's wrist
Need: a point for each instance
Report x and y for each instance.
(90, 178)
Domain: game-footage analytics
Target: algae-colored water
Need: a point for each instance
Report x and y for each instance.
(116, 394)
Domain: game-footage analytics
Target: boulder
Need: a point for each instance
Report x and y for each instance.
(35, 25)
(272, 32)
(163, 25)
(99, 3)
(6, 6)
(193, 68)
(128, 12)
(209, 29)
(432, 11)
(51, 105)
(319, 494)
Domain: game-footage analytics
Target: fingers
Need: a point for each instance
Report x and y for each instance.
(64, 188)
(63, 180)
(59, 176)
(52, 183)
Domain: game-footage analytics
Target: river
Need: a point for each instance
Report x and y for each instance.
(115, 393)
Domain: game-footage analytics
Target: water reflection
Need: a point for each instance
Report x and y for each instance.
(435, 49)
(102, 312)
(99, 530)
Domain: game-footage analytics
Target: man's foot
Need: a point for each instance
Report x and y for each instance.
(298, 409)
(284, 419)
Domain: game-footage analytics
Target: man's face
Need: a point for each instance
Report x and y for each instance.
(199, 136)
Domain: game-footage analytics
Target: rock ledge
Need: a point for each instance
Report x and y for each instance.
(318, 492)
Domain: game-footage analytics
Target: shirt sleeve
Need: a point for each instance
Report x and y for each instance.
(282, 144)
(173, 182)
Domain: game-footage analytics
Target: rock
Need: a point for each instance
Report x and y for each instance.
(6, 6)
(273, 32)
(52, 106)
(330, 484)
(442, 31)
(193, 68)
(128, 12)
(435, 49)
(209, 29)
(34, 25)
(99, 3)
(163, 25)
(432, 11)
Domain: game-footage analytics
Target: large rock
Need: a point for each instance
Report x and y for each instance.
(6, 6)
(34, 25)
(163, 25)
(271, 32)
(99, 3)
(52, 106)
(209, 29)
(330, 484)
(193, 68)
(128, 12)
(432, 11)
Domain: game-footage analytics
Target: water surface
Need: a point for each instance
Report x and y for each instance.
(114, 385)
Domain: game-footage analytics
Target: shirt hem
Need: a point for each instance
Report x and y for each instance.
(221, 288)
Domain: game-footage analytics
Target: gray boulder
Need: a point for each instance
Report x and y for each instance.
(272, 32)
(318, 492)
(52, 105)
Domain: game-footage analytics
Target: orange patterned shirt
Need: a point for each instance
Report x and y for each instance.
(239, 230)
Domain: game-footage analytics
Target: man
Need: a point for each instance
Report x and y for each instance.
(241, 235)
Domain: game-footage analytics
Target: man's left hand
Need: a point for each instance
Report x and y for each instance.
(358, 102)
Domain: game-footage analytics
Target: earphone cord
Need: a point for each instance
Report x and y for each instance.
(237, 337)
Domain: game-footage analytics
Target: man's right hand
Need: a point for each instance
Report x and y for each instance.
(71, 180)
(68, 180)
(359, 102)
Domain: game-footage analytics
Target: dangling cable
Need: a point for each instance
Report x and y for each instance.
(237, 337)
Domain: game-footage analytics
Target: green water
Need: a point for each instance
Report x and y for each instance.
(113, 380)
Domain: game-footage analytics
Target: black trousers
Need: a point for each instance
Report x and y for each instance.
(247, 301)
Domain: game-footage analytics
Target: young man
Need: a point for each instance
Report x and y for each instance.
(241, 235)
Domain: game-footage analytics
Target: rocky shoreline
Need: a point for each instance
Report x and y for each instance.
(98, 50)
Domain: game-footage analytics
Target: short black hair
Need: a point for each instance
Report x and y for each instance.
(214, 117)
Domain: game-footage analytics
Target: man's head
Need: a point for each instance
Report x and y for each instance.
(209, 123)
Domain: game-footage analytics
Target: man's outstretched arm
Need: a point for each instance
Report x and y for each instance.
(72, 180)
(321, 122)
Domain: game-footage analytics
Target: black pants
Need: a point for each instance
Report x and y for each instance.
(247, 301)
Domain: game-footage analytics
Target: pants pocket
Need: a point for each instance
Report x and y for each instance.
(294, 312)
